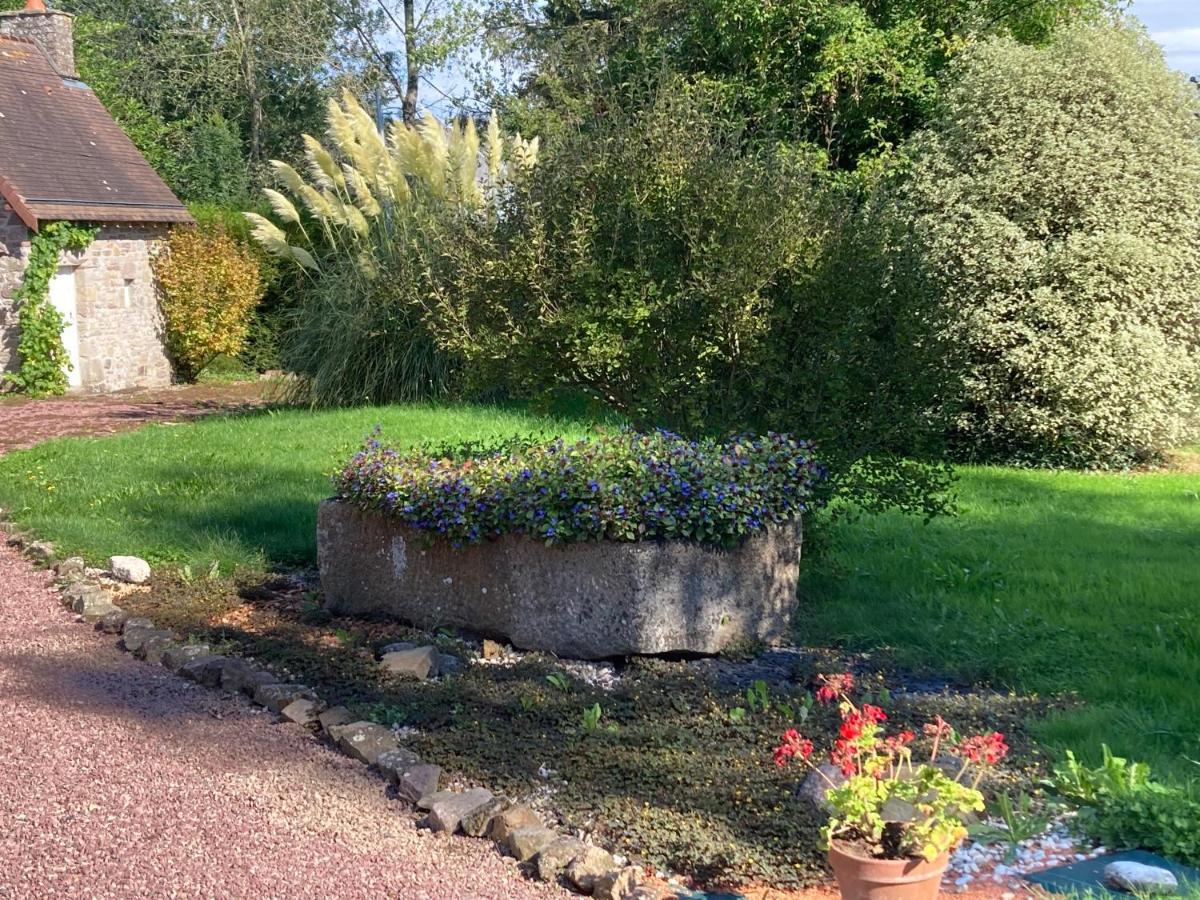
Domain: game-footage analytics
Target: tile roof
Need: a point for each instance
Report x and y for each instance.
(61, 154)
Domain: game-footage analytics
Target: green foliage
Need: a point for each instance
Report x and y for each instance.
(208, 285)
(1121, 805)
(210, 165)
(44, 361)
(848, 78)
(1046, 245)
(640, 263)
(920, 814)
(620, 487)
(361, 226)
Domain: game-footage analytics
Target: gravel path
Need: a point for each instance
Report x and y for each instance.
(119, 780)
(25, 422)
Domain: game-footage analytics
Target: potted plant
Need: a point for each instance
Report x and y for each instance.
(894, 820)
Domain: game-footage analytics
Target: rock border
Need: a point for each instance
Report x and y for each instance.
(514, 828)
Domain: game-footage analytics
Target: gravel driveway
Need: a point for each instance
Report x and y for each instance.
(119, 780)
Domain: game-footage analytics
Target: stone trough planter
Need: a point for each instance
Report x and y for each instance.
(585, 601)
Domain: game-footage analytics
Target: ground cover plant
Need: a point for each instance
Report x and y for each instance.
(623, 486)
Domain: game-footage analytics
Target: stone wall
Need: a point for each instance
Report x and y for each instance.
(14, 243)
(590, 600)
(121, 339)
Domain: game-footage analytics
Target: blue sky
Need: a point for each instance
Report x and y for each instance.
(1176, 25)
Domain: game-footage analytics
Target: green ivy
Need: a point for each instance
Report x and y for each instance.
(44, 360)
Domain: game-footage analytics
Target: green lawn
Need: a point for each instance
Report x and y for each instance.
(1045, 582)
(241, 490)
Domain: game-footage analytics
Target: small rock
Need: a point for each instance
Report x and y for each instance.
(40, 551)
(363, 740)
(84, 595)
(508, 820)
(1138, 878)
(419, 662)
(587, 866)
(525, 843)
(302, 711)
(241, 676)
(130, 569)
(133, 638)
(71, 567)
(417, 781)
(138, 622)
(203, 669)
(392, 762)
(476, 824)
(174, 658)
(276, 696)
(816, 786)
(397, 647)
(97, 612)
(448, 664)
(492, 649)
(155, 646)
(335, 715)
(112, 621)
(617, 885)
(556, 856)
(447, 809)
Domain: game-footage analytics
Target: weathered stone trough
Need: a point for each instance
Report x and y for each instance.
(586, 601)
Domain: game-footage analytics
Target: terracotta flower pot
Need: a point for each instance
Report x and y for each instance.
(867, 878)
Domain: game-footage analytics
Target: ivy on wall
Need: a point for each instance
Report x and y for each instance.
(44, 360)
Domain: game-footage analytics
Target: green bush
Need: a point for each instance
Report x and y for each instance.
(1121, 805)
(640, 262)
(1048, 237)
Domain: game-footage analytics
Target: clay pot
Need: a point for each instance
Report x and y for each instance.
(867, 878)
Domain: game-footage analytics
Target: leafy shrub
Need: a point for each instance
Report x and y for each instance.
(361, 225)
(209, 285)
(640, 262)
(1121, 805)
(624, 487)
(1051, 215)
(282, 284)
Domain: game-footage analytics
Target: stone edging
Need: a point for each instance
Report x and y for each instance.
(515, 828)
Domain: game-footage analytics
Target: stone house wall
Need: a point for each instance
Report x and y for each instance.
(121, 333)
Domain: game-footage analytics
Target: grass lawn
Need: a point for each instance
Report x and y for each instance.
(1045, 582)
(240, 490)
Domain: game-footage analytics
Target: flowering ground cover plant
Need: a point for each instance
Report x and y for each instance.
(623, 486)
(894, 807)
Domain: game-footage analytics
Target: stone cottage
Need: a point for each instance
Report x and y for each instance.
(62, 157)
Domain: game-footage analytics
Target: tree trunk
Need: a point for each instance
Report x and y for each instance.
(410, 63)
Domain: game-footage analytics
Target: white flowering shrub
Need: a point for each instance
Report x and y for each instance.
(1052, 212)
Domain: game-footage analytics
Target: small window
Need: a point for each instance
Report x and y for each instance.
(128, 292)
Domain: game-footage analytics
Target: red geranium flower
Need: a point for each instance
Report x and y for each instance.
(834, 686)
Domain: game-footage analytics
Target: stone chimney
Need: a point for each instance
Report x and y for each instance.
(49, 29)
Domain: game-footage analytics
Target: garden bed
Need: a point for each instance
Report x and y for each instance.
(676, 772)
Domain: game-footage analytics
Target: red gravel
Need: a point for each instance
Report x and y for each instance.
(120, 780)
(25, 422)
